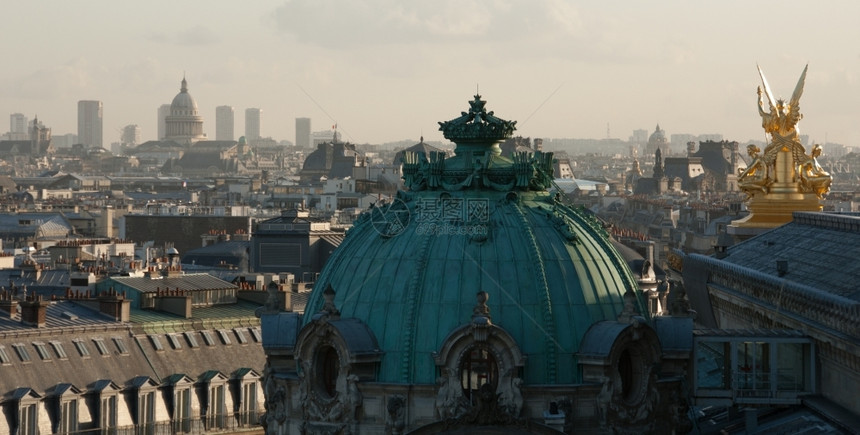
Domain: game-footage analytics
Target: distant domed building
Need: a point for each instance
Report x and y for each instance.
(657, 140)
(475, 301)
(184, 125)
(333, 159)
(420, 147)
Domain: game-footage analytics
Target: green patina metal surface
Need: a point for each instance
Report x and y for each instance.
(411, 270)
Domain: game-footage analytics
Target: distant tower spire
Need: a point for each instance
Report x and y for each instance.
(184, 87)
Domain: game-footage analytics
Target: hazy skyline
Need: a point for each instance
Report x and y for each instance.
(388, 70)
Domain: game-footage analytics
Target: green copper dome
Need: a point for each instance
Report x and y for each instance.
(410, 270)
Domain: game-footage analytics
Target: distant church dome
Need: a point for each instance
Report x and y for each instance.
(657, 140)
(184, 125)
(183, 103)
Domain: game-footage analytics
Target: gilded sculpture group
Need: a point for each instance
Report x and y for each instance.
(780, 122)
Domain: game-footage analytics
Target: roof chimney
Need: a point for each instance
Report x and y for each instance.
(34, 312)
(114, 305)
(8, 303)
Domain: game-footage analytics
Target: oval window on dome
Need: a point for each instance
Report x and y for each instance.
(478, 368)
(327, 367)
(632, 374)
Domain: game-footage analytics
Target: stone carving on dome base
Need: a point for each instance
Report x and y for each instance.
(450, 402)
(617, 414)
(395, 415)
(491, 408)
(330, 415)
(276, 404)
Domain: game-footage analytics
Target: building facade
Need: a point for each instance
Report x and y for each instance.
(90, 123)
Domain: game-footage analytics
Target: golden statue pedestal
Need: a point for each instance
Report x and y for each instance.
(774, 204)
(772, 210)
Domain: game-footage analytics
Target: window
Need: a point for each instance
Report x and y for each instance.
(207, 337)
(174, 341)
(225, 338)
(791, 359)
(478, 368)
(241, 336)
(58, 349)
(82, 348)
(217, 407)
(182, 410)
(249, 404)
(192, 340)
(28, 419)
(4, 357)
(146, 411)
(22, 352)
(255, 332)
(120, 345)
(42, 350)
(107, 414)
(753, 367)
(100, 345)
(156, 343)
(69, 416)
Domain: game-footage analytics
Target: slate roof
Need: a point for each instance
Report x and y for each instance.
(186, 282)
(46, 224)
(60, 314)
(822, 251)
(54, 363)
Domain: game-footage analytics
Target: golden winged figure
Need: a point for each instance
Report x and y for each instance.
(782, 118)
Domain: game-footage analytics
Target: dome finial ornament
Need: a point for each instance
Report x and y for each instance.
(481, 309)
(477, 125)
(329, 309)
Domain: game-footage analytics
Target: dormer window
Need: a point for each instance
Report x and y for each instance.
(82, 348)
(21, 350)
(100, 345)
(58, 348)
(42, 350)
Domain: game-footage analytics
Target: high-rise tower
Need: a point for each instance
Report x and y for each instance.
(303, 132)
(224, 123)
(90, 123)
(17, 123)
(253, 123)
(163, 113)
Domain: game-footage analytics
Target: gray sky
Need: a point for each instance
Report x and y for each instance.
(387, 70)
